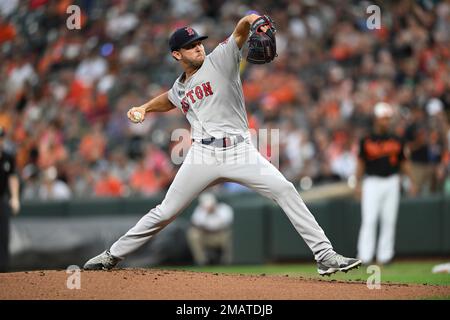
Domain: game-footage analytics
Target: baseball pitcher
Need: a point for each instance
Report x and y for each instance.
(209, 93)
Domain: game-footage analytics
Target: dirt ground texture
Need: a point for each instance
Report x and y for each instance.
(183, 285)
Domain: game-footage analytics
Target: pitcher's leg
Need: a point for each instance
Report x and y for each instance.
(388, 221)
(191, 179)
(263, 177)
(303, 221)
(150, 224)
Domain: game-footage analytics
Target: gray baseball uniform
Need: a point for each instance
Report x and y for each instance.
(213, 103)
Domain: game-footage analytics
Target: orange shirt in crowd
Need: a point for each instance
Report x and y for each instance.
(145, 182)
(7, 32)
(51, 155)
(92, 147)
(108, 187)
(6, 120)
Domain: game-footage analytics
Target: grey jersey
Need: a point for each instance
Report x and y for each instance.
(212, 99)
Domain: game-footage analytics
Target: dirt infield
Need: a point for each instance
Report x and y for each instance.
(183, 285)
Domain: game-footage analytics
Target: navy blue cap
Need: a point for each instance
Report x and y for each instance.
(182, 37)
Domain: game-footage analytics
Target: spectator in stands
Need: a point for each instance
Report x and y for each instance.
(120, 166)
(93, 145)
(52, 187)
(426, 141)
(66, 93)
(144, 181)
(51, 147)
(107, 185)
(417, 143)
(31, 183)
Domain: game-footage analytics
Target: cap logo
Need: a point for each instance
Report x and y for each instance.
(189, 31)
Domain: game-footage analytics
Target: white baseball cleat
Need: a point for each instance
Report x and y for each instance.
(337, 263)
(104, 261)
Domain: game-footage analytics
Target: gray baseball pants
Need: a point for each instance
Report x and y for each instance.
(242, 163)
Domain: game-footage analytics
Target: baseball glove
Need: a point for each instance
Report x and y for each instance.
(262, 45)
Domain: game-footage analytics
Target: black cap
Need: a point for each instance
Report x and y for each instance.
(182, 37)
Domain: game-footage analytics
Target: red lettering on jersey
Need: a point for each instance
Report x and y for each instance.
(199, 92)
(190, 95)
(207, 89)
(184, 105)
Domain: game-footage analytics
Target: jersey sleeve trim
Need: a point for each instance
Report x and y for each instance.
(173, 99)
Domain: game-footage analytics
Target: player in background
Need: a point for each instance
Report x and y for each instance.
(381, 158)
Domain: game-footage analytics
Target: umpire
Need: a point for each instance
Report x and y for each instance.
(381, 158)
(9, 192)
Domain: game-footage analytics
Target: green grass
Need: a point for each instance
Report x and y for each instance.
(414, 272)
(437, 298)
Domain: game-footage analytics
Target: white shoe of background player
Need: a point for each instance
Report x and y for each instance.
(104, 261)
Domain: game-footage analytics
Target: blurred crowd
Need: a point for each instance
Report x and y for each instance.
(64, 93)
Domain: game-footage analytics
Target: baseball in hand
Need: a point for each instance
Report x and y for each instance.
(137, 116)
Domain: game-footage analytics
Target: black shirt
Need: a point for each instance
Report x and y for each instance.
(429, 151)
(7, 168)
(412, 133)
(382, 154)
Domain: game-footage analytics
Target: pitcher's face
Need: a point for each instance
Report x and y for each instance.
(192, 54)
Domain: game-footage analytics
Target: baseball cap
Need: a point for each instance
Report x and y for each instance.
(207, 200)
(434, 106)
(383, 109)
(182, 37)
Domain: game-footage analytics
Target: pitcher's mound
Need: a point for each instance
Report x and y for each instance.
(183, 285)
